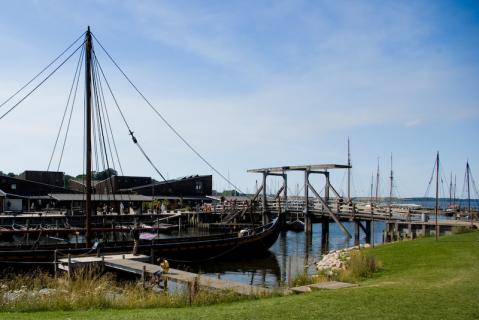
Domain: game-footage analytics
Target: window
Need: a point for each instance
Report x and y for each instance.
(199, 186)
(14, 186)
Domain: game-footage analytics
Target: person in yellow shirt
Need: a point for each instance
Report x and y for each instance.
(164, 268)
(164, 264)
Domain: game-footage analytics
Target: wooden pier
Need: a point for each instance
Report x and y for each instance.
(137, 265)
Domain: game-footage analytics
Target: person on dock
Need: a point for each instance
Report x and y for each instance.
(135, 233)
(164, 268)
(165, 265)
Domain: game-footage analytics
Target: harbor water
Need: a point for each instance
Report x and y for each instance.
(293, 254)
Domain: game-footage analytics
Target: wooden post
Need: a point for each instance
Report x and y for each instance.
(69, 266)
(28, 234)
(290, 281)
(285, 192)
(307, 218)
(326, 188)
(265, 202)
(190, 293)
(55, 267)
(368, 231)
(325, 235)
(143, 276)
(98, 249)
(356, 233)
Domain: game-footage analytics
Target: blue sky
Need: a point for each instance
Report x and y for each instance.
(258, 84)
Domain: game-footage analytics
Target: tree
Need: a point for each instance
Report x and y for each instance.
(105, 174)
(101, 175)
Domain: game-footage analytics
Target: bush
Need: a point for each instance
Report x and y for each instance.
(360, 265)
(305, 279)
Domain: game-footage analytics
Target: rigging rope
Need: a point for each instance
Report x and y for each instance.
(43, 70)
(131, 133)
(79, 63)
(166, 121)
(69, 120)
(101, 136)
(38, 85)
(109, 125)
(430, 180)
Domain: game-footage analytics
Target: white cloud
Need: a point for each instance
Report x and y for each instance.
(413, 123)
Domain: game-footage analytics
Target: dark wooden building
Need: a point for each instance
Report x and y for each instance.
(53, 178)
(191, 186)
(115, 184)
(25, 195)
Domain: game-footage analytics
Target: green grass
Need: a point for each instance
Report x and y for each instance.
(421, 279)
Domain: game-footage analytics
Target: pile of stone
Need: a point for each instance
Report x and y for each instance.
(24, 293)
(335, 261)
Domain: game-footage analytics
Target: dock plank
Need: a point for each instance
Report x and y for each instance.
(186, 277)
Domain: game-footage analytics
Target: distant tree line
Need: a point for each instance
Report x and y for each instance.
(10, 174)
(100, 175)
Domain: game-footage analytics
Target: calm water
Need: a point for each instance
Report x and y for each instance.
(292, 253)
(289, 256)
(443, 202)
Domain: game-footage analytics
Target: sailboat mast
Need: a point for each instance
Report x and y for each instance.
(450, 190)
(437, 191)
(468, 191)
(349, 173)
(372, 183)
(391, 188)
(377, 183)
(88, 159)
(455, 186)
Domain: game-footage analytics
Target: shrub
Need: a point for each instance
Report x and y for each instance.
(359, 265)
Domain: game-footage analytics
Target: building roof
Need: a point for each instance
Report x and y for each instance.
(158, 183)
(2, 194)
(116, 197)
(99, 197)
(309, 167)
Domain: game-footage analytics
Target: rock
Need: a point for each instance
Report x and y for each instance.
(46, 291)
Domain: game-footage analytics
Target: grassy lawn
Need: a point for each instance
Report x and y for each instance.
(421, 279)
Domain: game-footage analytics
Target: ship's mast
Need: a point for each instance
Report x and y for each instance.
(437, 192)
(450, 190)
(377, 183)
(468, 191)
(391, 188)
(372, 183)
(88, 98)
(455, 186)
(349, 173)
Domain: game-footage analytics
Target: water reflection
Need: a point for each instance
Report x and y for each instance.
(290, 256)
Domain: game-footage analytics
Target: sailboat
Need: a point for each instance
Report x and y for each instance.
(255, 240)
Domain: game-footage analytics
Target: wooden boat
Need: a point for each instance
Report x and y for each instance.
(296, 225)
(184, 249)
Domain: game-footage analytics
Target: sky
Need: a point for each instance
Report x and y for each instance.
(253, 84)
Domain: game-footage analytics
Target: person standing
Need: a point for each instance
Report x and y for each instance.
(135, 233)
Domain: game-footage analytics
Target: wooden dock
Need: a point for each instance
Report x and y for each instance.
(137, 265)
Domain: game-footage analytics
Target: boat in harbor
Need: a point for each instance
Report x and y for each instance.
(182, 249)
(29, 247)
(295, 225)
